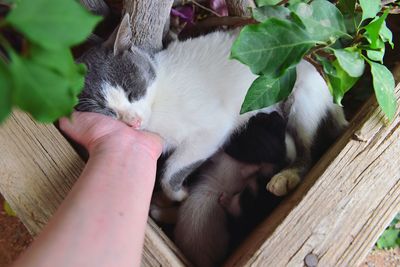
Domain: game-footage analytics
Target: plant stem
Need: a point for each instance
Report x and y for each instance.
(6, 48)
(205, 8)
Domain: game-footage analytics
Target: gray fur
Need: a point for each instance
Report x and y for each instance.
(103, 66)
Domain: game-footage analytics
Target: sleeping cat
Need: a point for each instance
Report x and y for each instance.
(191, 94)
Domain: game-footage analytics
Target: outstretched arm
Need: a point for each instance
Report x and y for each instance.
(103, 219)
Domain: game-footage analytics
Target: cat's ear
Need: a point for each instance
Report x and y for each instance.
(121, 39)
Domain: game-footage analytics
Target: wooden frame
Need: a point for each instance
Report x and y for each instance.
(335, 216)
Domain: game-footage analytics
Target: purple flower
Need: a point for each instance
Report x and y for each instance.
(186, 13)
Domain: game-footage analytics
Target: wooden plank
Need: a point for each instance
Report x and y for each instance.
(37, 169)
(343, 205)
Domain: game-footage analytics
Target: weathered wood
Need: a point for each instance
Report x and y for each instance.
(37, 169)
(239, 8)
(148, 21)
(343, 205)
(98, 7)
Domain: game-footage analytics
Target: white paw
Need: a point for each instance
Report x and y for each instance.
(175, 195)
(284, 182)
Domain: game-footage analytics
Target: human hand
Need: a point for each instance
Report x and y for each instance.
(98, 132)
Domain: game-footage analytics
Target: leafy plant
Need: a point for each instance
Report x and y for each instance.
(390, 238)
(41, 76)
(340, 40)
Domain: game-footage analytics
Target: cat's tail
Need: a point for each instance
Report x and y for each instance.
(201, 230)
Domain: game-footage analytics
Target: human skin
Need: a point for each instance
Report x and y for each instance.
(102, 220)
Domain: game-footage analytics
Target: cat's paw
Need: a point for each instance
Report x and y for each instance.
(284, 182)
(175, 194)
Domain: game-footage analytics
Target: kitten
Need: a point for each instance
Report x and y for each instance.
(191, 94)
(201, 230)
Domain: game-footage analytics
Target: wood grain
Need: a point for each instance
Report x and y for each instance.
(38, 168)
(240, 8)
(342, 207)
(98, 7)
(149, 20)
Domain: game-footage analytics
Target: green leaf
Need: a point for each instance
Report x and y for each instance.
(266, 91)
(8, 210)
(370, 8)
(39, 90)
(62, 62)
(351, 61)
(53, 24)
(323, 20)
(378, 53)
(386, 34)
(5, 92)
(347, 6)
(271, 47)
(263, 13)
(267, 2)
(384, 84)
(388, 239)
(373, 30)
(339, 81)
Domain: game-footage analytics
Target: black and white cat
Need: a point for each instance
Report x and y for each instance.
(191, 94)
(202, 226)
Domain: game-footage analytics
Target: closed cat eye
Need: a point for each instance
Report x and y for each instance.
(130, 96)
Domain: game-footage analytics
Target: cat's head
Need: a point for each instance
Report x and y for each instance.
(117, 78)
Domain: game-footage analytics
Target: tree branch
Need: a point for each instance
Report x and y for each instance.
(148, 22)
(239, 8)
(98, 7)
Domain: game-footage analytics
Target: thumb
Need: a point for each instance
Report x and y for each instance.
(79, 127)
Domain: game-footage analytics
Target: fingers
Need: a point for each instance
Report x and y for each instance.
(86, 127)
(89, 128)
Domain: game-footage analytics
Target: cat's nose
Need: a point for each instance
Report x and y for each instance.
(135, 123)
(133, 120)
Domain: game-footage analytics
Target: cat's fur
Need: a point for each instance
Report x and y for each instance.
(191, 94)
(201, 230)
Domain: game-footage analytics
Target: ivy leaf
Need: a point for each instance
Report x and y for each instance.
(386, 34)
(261, 3)
(266, 91)
(5, 92)
(271, 47)
(384, 84)
(339, 81)
(389, 238)
(323, 20)
(66, 22)
(62, 62)
(351, 61)
(370, 8)
(374, 29)
(347, 6)
(40, 90)
(378, 53)
(263, 13)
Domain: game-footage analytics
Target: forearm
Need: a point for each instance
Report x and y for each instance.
(103, 217)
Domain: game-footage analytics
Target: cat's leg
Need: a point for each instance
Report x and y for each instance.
(303, 132)
(184, 160)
